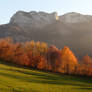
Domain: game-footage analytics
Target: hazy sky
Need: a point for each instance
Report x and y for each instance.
(9, 7)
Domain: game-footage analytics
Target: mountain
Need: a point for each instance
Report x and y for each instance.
(71, 29)
(74, 17)
(33, 19)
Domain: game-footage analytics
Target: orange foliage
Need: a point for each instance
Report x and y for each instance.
(53, 56)
(87, 59)
(38, 55)
(68, 61)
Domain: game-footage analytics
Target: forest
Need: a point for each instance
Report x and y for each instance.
(48, 58)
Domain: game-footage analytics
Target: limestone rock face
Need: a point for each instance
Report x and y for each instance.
(75, 18)
(40, 19)
(33, 19)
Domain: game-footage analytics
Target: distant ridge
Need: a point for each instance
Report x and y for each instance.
(41, 19)
(71, 29)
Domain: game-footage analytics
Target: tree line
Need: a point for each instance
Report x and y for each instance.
(39, 55)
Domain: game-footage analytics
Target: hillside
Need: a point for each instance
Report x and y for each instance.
(19, 79)
(71, 29)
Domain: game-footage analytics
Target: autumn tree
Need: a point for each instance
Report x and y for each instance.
(89, 72)
(53, 57)
(5, 48)
(68, 61)
(38, 55)
(87, 60)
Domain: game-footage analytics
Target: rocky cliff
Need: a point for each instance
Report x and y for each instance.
(33, 19)
(71, 29)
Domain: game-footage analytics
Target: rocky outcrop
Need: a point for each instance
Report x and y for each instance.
(40, 19)
(33, 19)
(75, 18)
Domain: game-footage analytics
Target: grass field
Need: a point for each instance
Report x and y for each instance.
(15, 79)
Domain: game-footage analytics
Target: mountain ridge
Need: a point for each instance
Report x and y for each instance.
(53, 30)
(35, 18)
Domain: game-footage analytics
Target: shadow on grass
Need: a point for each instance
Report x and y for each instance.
(47, 78)
(86, 88)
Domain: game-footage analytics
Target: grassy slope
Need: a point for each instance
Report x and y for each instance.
(14, 79)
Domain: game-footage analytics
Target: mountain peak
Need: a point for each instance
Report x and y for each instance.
(74, 17)
(33, 18)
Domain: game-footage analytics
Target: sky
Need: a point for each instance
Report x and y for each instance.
(9, 7)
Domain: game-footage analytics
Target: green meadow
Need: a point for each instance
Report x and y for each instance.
(19, 79)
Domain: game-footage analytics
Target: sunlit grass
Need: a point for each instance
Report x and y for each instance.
(15, 79)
